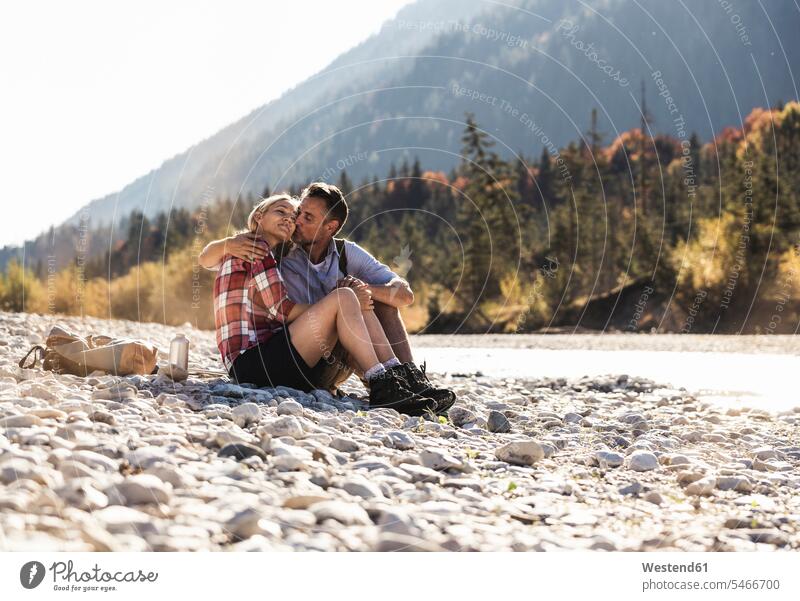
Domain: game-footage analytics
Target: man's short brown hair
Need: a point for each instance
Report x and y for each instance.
(335, 204)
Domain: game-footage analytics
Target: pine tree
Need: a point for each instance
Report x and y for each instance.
(344, 184)
(417, 188)
(486, 215)
(544, 182)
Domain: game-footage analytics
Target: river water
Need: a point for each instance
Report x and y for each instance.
(767, 380)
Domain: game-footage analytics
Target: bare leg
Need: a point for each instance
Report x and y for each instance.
(395, 330)
(336, 317)
(379, 342)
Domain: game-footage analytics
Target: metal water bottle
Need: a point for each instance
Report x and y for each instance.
(179, 352)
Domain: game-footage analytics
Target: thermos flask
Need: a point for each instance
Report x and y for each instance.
(179, 352)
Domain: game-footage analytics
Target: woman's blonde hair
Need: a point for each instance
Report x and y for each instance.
(263, 206)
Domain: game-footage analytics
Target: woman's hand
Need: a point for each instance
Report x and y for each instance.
(246, 246)
(361, 289)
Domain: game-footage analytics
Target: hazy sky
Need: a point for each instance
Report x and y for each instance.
(97, 93)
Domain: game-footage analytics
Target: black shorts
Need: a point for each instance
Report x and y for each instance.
(273, 363)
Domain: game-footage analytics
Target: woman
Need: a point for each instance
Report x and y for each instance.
(268, 340)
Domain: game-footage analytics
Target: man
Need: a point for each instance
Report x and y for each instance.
(318, 264)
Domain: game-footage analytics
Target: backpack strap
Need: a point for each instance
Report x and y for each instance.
(342, 255)
(38, 354)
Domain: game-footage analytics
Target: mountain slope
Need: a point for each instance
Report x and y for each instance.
(531, 72)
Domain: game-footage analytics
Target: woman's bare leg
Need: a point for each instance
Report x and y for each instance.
(336, 317)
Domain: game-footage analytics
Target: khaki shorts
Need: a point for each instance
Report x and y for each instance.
(329, 372)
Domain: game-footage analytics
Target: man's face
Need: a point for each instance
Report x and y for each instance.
(310, 222)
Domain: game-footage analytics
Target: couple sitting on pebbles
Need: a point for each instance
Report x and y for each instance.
(296, 307)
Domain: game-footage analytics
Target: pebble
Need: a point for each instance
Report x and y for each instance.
(103, 417)
(439, 460)
(143, 463)
(391, 542)
(348, 514)
(251, 522)
(497, 422)
(739, 484)
(345, 445)
(287, 425)
(520, 453)
(401, 440)
(654, 497)
(290, 408)
(704, 486)
(361, 487)
(20, 421)
(420, 473)
(460, 416)
(241, 450)
(609, 459)
(642, 461)
(147, 456)
(140, 489)
(48, 412)
(118, 518)
(246, 414)
(634, 488)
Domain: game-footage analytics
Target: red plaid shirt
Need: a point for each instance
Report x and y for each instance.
(241, 320)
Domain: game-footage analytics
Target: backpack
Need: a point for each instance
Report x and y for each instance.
(66, 352)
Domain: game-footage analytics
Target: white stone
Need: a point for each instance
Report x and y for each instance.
(20, 421)
(361, 487)
(704, 486)
(344, 445)
(460, 416)
(246, 414)
(289, 458)
(736, 483)
(287, 425)
(290, 407)
(147, 456)
(607, 459)
(526, 452)
(142, 489)
(439, 460)
(252, 522)
(48, 412)
(119, 516)
(96, 461)
(642, 461)
(401, 440)
(345, 513)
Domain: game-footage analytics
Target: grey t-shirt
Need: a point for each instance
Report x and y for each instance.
(309, 283)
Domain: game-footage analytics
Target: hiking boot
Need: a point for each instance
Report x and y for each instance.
(417, 381)
(390, 391)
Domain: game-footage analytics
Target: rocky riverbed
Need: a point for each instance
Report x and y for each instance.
(609, 463)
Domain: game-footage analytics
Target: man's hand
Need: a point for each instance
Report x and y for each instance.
(349, 282)
(247, 247)
(361, 289)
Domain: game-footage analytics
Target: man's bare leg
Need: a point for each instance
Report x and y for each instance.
(395, 330)
(377, 335)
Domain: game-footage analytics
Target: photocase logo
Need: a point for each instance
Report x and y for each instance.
(402, 263)
(31, 574)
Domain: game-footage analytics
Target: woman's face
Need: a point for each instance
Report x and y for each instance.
(278, 221)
